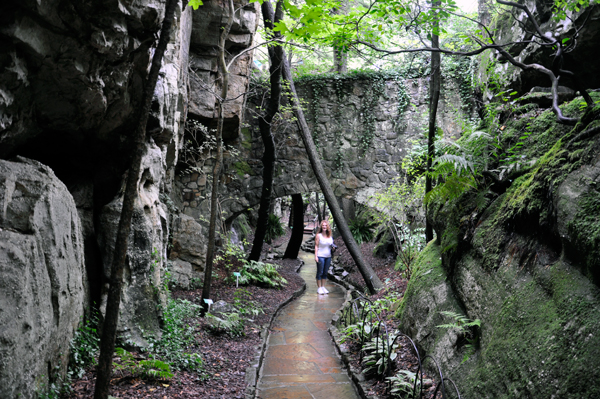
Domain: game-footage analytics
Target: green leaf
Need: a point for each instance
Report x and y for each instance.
(195, 4)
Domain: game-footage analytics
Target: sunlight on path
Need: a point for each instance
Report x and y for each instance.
(300, 360)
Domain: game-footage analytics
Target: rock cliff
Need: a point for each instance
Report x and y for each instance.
(71, 78)
(524, 261)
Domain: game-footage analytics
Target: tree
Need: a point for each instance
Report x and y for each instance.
(293, 247)
(224, 75)
(264, 123)
(111, 318)
(434, 99)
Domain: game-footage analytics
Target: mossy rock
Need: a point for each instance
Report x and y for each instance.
(526, 265)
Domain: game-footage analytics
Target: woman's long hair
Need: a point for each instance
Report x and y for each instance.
(328, 234)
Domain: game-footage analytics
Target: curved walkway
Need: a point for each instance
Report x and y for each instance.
(300, 361)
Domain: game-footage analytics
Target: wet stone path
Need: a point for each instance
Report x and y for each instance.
(301, 361)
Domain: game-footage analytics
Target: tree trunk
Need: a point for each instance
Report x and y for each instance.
(264, 124)
(371, 280)
(433, 106)
(293, 247)
(111, 318)
(319, 218)
(210, 251)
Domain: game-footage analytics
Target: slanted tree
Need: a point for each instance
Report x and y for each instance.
(111, 317)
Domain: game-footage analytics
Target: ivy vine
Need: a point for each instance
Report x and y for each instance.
(369, 104)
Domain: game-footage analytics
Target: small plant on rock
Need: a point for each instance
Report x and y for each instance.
(467, 331)
(229, 323)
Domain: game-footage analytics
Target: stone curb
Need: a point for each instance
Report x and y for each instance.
(357, 377)
(253, 372)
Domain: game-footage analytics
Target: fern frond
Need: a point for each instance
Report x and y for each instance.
(459, 163)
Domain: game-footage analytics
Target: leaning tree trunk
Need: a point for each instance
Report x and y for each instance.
(371, 280)
(111, 318)
(264, 124)
(212, 229)
(293, 247)
(433, 106)
(318, 206)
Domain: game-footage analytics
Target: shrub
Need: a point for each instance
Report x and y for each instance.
(274, 228)
(177, 335)
(362, 229)
(259, 273)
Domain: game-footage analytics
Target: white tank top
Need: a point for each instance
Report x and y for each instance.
(324, 250)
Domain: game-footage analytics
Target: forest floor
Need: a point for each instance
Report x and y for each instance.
(226, 358)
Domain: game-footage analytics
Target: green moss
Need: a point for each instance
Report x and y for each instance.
(543, 341)
(242, 168)
(246, 138)
(585, 229)
(427, 273)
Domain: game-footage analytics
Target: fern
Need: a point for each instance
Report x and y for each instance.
(452, 188)
(466, 327)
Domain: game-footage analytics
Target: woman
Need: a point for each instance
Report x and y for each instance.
(323, 243)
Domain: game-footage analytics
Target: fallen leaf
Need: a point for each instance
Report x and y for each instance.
(165, 385)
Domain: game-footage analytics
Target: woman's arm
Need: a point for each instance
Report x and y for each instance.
(316, 248)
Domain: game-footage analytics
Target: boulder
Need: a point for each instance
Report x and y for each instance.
(189, 241)
(42, 276)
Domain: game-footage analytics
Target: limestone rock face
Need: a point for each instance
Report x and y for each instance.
(71, 79)
(146, 254)
(42, 276)
(203, 61)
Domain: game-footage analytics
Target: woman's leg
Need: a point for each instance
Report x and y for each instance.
(320, 265)
(326, 264)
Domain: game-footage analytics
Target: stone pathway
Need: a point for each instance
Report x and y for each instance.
(300, 361)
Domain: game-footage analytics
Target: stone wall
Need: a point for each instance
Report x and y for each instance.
(355, 170)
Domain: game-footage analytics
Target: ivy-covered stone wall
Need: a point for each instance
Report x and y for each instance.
(362, 123)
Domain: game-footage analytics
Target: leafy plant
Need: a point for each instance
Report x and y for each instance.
(274, 228)
(260, 273)
(84, 346)
(466, 328)
(153, 369)
(242, 301)
(231, 324)
(403, 383)
(379, 355)
(360, 331)
(57, 388)
(410, 244)
(177, 336)
(361, 229)
(232, 252)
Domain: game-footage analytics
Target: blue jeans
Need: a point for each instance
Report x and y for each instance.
(322, 268)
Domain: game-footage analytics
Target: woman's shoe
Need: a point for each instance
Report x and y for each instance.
(320, 291)
(325, 290)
